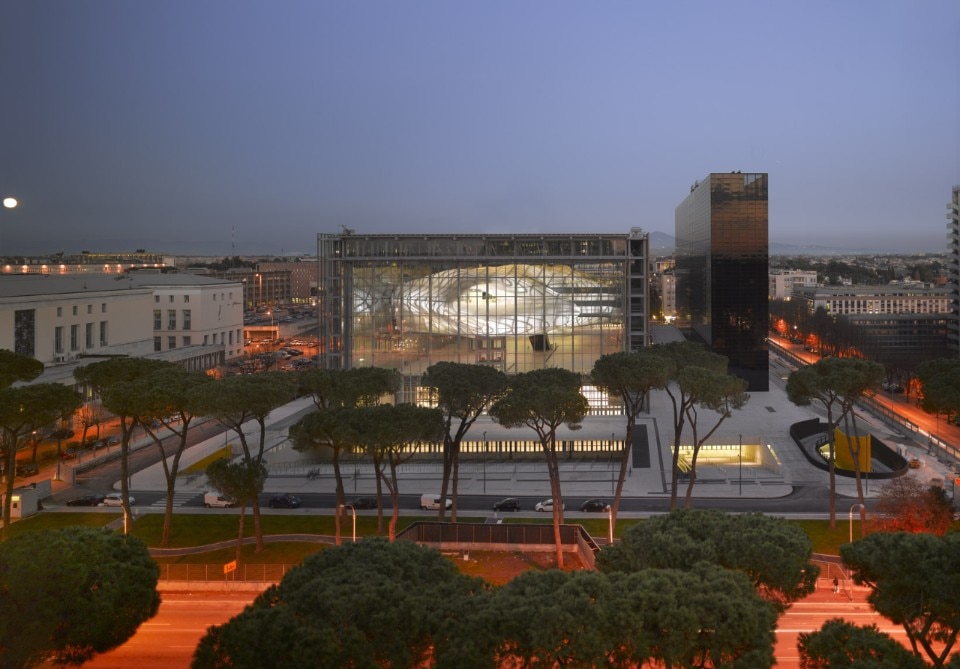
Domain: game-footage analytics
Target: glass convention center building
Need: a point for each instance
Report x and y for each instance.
(515, 302)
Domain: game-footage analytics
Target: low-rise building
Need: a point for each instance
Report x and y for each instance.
(74, 319)
(783, 282)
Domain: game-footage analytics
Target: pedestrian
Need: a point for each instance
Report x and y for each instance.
(836, 585)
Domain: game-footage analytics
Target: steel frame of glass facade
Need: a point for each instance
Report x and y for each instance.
(722, 270)
(516, 302)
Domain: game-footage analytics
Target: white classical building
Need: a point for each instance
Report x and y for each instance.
(191, 310)
(69, 320)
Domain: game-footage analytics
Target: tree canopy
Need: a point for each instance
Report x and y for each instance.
(16, 367)
(240, 482)
(774, 555)
(462, 393)
(940, 386)
(113, 381)
(543, 400)
(68, 594)
(908, 505)
(24, 409)
(375, 604)
(842, 645)
(915, 581)
(680, 356)
(630, 377)
(362, 605)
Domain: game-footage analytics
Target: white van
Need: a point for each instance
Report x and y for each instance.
(432, 502)
(215, 499)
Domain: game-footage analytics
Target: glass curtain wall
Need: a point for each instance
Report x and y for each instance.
(514, 303)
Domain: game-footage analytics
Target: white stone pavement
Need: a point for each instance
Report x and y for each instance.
(767, 416)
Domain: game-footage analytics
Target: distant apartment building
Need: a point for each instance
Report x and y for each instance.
(783, 282)
(269, 283)
(901, 317)
(953, 269)
(895, 298)
(721, 270)
(667, 282)
(302, 279)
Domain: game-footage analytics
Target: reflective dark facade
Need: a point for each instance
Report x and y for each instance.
(722, 265)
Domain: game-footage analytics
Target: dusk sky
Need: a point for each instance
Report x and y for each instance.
(227, 126)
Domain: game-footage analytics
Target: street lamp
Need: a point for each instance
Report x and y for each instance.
(483, 461)
(610, 523)
(353, 512)
(740, 459)
(851, 519)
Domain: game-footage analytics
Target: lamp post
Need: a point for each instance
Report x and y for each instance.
(610, 524)
(353, 512)
(740, 465)
(483, 461)
(613, 437)
(851, 519)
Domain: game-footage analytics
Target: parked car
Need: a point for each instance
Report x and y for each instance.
(216, 500)
(62, 433)
(286, 501)
(86, 500)
(508, 504)
(364, 503)
(27, 469)
(432, 502)
(547, 505)
(116, 499)
(594, 505)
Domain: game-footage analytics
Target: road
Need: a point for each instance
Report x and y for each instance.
(809, 615)
(167, 640)
(804, 501)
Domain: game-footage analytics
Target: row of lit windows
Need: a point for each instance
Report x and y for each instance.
(922, 305)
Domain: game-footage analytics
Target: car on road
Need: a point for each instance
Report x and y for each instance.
(27, 469)
(430, 502)
(364, 503)
(508, 504)
(594, 505)
(286, 501)
(86, 500)
(216, 500)
(116, 499)
(547, 505)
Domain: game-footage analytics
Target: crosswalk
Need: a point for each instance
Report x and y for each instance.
(179, 499)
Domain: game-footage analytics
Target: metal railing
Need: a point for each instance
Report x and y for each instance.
(265, 573)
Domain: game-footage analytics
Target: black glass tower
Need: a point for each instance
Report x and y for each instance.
(722, 266)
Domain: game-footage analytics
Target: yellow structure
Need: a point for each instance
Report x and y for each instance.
(846, 447)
